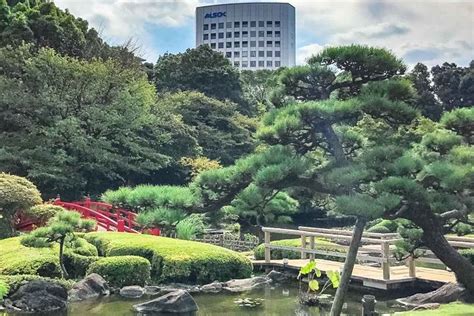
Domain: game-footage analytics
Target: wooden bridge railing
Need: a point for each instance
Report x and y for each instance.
(376, 249)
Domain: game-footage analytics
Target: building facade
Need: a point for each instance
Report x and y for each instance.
(251, 35)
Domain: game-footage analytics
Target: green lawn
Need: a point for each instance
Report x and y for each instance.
(453, 309)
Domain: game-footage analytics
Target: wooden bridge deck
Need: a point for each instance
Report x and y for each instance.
(369, 276)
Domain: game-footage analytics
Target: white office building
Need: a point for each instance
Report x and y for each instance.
(259, 35)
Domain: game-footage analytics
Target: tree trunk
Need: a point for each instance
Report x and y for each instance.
(433, 238)
(6, 226)
(348, 267)
(61, 258)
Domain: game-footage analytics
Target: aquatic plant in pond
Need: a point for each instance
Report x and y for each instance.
(311, 272)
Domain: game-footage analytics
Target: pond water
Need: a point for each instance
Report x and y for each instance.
(278, 300)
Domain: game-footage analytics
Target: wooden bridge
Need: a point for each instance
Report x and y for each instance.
(376, 265)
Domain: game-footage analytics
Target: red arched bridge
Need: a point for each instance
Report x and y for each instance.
(108, 217)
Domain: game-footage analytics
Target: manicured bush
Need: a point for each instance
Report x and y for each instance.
(469, 254)
(384, 227)
(379, 229)
(321, 244)
(43, 212)
(123, 270)
(174, 260)
(13, 282)
(76, 264)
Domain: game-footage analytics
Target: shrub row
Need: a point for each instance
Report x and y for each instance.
(321, 244)
(174, 260)
(122, 271)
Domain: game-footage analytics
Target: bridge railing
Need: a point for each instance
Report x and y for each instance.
(377, 249)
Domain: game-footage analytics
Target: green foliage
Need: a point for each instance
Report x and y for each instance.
(175, 260)
(222, 133)
(55, 108)
(43, 212)
(198, 69)
(276, 254)
(4, 289)
(366, 206)
(311, 272)
(165, 218)
(15, 281)
(16, 193)
(384, 226)
(77, 264)
(123, 270)
(468, 254)
(426, 100)
(462, 229)
(460, 121)
(393, 90)
(190, 227)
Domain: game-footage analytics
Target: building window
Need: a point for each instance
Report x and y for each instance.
(228, 44)
(228, 25)
(236, 44)
(228, 54)
(261, 63)
(269, 23)
(253, 24)
(269, 43)
(221, 35)
(228, 34)
(253, 44)
(269, 63)
(277, 23)
(261, 23)
(277, 43)
(277, 54)
(213, 45)
(205, 27)
(261, 33)
(236, 64)
(277, 33)
(253, 63)
(205, 37)
(236, 54)
(261, 43)
(269, 33)
(220, 45)
(277, 63)
(245, 44)
(213, 36)
(269, 53)
(245, 34)
(253, 33)
(245, 24)
(213, 26)
(245, 53)
(261, 53)
(236, 34)
(245, 64)
(253, 53)
(236, 24)
(221, 25)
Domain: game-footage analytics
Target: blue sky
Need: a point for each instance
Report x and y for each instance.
(417, 30)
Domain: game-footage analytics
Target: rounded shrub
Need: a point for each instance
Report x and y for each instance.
(379, 229)
(175, 260)
(43, 212)
(122, 271)
(468, 254)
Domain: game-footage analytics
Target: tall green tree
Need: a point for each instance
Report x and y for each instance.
(76, 127)
(426, 102)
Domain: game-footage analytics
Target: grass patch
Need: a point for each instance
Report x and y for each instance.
(452, 309)
(174, 260)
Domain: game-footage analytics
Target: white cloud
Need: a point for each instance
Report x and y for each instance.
(304, 52)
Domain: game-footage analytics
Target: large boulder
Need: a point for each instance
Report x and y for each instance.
(38, 296)
(177, 302)
(278, 277)
(450, 292)
(132, 291)
(214, 287)
(92, 286)
(242, 285)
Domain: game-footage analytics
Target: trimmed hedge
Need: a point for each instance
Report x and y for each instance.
(123, 270)
(18, 259)
(322, 244)
(174, 260)
(468, 254)
(13, 282)
(384, 226)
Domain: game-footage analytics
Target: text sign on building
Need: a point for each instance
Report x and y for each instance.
(214, 15)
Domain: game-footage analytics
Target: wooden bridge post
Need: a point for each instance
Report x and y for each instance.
(386, 260)
(311, 246)
(121, 225)
(411, 267)
(303, 246)
(267, 247)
